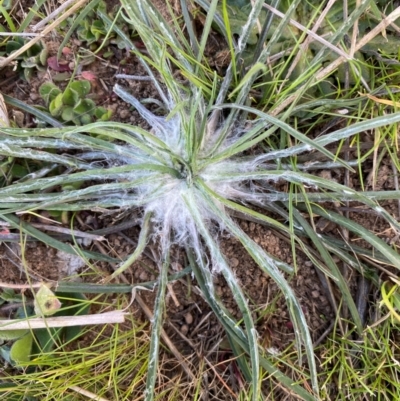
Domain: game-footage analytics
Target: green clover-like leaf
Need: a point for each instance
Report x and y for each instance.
(21, 350)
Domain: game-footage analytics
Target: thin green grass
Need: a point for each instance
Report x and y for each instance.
(368, 366)
(110, 362)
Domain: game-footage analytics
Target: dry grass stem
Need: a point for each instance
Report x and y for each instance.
(20, 34)
(88, 394)
(311, 33)
(19, 286)
(74, 233)
(47, 30)
(63, 321)
(340, 60)
(309, 39)
(166, 339)
(56, 12)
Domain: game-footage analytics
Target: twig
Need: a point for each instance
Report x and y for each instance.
(219, 377)
(15, 305)
(396, 184)
(309, 32)
(363, 289)
(377, 322)
(118, 227)
(19, 286)
(324, 72)
(63, 321)
(47, 30)
(166, 339)
(23, 34)
(304, 46)
(55, 13)
(133, 77)
(173, 295)
(324, 335)
(63, 230)
(88, 394)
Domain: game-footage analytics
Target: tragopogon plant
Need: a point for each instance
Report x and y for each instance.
(190, 171)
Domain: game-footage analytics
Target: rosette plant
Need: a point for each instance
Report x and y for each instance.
(192, 170)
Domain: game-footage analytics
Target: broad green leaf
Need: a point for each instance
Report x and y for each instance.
(9, 295)
(98, 29)
(30, 62)
(238, 18)
(81, 87)
(11, 334)
(56, 105)
(85, 119)
(43, 56)
(13, 45)
(20, 351)
(85, 106)
(68, 114)
(48, 91)
(70, 97)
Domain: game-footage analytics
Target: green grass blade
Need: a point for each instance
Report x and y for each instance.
(129, 44)
(89, 288)
(372, 239)
(211, 12)
(33, 11)
(307, 142)
(269, 266)
(203, 276)
(26, 228)
(336, 136)
(201, 271)
(333, 268)
(305, 179)
(220, 264)
(142, 241)
(45, 117)
(156, 330)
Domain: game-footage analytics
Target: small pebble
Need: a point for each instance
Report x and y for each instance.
(34, 96)
(113, 107)
(184, 329)
(124, 113)
(234, 262)
(143, 276)
(189, 318)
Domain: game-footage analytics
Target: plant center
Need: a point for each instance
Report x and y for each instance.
(186, 173)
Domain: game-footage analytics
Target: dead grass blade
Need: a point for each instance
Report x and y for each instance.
(340, 60)
(47, 30)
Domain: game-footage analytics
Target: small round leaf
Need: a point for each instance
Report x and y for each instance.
(21, 350)
(46, 303)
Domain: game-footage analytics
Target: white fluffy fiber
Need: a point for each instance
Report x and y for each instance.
(164, 195)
